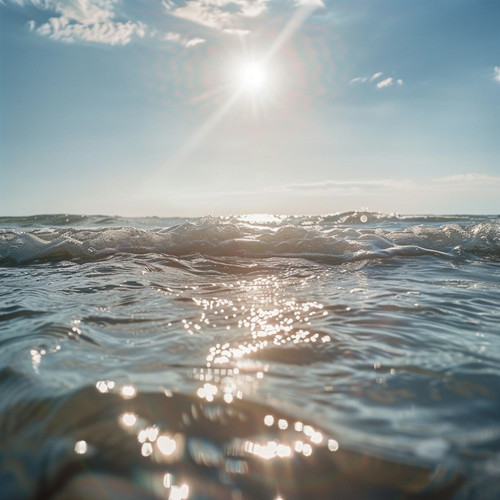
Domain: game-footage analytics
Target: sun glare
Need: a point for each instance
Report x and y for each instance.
(253, 77)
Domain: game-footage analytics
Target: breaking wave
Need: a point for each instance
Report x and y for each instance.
(351, 236)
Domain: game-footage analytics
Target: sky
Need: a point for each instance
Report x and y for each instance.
(196, 107)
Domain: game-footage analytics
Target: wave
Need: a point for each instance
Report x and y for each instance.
(334, 239)
(352, 217)
(103, 436)
(72, 220)
(367, 217)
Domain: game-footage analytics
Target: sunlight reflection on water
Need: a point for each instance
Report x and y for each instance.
(266, 318)
(246, 367)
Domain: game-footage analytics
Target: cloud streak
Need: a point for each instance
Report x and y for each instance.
(470, 179)
(383, 186)
(181, 40)
(353, 185)
(377, 81)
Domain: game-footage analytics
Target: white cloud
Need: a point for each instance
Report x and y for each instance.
(192, 42)
(186, 42)
(172, 37)
(87, 20)
(410, 195)
(375, 79)
(359, 79)
(87, 11)
(217, 14)
(310, 3)
(252, 8)
(497, 73)
(202, 13)
(470, 179)
(168, 4)
(342, 186)
(388, 82)
(111, 33)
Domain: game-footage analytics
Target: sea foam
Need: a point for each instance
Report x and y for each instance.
(327, 238)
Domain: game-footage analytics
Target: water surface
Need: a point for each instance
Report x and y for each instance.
(354, 355)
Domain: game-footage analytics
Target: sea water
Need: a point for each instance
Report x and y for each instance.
(354, 355)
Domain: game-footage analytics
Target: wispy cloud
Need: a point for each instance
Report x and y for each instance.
(358, 79)
(376, 80)
(322, 188)
(217, 14)
(497, 73)
(84, 20)
(181, 40)
(192, 42)
(341, 186)
(470, 179)
(103, 21)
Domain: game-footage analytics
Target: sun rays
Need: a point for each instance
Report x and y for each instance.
(251, 82)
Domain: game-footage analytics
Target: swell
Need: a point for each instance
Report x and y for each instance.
(219, 237)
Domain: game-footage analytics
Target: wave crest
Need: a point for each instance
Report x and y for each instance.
(307, 238)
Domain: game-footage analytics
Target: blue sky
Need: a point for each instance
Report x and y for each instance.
(244, 106)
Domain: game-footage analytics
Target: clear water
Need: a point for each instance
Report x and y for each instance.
(354, 355)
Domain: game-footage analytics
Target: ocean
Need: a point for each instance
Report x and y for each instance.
(345, 356)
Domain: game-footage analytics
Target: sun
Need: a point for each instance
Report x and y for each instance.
(252, 77)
